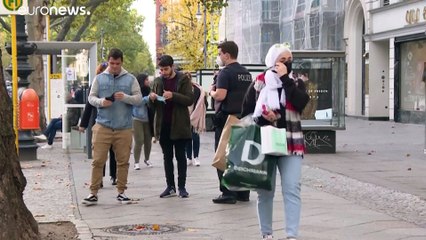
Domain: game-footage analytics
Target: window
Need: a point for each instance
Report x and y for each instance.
(299, 34)
(270, 11)
(314, 30)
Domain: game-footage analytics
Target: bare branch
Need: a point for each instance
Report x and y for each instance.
(86, 23)
(57, 23)
(5, 25)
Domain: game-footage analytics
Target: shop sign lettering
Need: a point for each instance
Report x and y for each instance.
(413, 16)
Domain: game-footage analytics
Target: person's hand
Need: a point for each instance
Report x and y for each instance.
(304, 78)
(280, 68)
(168, 95)
(119, 95)
(152, 96)
(106, 103)
(270, 116)
(81, 129)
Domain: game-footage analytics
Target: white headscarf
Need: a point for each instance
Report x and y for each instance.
(268, 96)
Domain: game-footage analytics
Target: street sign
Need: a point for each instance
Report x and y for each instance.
(13, 7)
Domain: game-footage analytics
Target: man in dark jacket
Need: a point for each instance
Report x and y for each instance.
(228, 92)
(172, 94)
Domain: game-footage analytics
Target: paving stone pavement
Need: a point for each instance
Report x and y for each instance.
(372, 188)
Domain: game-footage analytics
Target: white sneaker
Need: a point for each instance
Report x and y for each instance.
(137, 166)
(41, 137)
(196, 162)
(47, 146)
(188, 162)
(267, 237)
(148, 163)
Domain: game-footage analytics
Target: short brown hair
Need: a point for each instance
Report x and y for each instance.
(229, 47)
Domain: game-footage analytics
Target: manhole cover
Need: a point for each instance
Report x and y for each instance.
(144, 229)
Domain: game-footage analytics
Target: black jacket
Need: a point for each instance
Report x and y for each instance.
(295, 92)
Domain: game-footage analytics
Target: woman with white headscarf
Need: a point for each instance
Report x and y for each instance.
(276, 99)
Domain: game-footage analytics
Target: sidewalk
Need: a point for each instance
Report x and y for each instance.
(373, 188)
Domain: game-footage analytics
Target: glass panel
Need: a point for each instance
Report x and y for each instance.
(413, 63)
(322, 77)
(75, 77)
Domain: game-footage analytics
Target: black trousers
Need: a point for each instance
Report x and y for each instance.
(112, 165)
(223, 189)
(168, 145)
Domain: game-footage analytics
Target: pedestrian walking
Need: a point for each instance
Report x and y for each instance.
(113, 92)
(231, 84)
(88, 119)
(289, 96)
(197, 113)
(142, 124)
(172, 95)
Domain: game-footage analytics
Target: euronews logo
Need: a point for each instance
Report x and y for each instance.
(21, 7)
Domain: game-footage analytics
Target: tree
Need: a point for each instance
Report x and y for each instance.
(16, 222)
(37, 24)
(185, 33)
(112, 16)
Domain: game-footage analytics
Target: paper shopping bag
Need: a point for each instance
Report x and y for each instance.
(219, 160)
(274, 141)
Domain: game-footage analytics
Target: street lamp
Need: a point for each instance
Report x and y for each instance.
(27, 146)
(198, 16)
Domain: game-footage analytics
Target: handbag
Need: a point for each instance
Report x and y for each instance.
(274, 141)
(247, 168)
(219, 160)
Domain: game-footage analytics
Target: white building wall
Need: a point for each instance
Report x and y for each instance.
(391, 79)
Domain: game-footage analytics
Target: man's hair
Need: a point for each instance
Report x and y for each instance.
(115, 53)
(165, 60)
(229, 47)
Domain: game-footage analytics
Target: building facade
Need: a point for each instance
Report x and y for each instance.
(384, 41)
(305, 24)
(386, 59)
(160, 30)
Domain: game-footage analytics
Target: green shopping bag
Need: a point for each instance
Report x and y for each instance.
(247, 167)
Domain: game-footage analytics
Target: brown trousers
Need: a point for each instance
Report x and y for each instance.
(121, 141)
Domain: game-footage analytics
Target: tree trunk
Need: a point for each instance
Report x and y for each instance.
(16, 221)
(36, 25)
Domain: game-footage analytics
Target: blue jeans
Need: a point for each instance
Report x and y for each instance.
(54, 125)
(193, 144)
(290, 171)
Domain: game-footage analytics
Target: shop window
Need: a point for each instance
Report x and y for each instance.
(413, 62)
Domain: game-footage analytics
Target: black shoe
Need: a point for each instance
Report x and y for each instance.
(123, 199)
(183, 193)
(113, 181)
(243, 199)
(168, 192)
(90, 200)
(223, 199)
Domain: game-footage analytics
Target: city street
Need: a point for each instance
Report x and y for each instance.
(374, 187)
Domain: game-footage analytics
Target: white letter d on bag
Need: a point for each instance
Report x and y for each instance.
(246, 151)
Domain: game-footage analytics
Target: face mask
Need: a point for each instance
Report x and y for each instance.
(289, 66)
(219, 62)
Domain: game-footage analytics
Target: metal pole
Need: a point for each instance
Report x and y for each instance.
(27, 146)
(205, 34)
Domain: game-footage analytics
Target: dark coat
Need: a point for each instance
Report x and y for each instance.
(182, 99)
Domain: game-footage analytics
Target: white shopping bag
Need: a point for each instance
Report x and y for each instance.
(273, 141)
